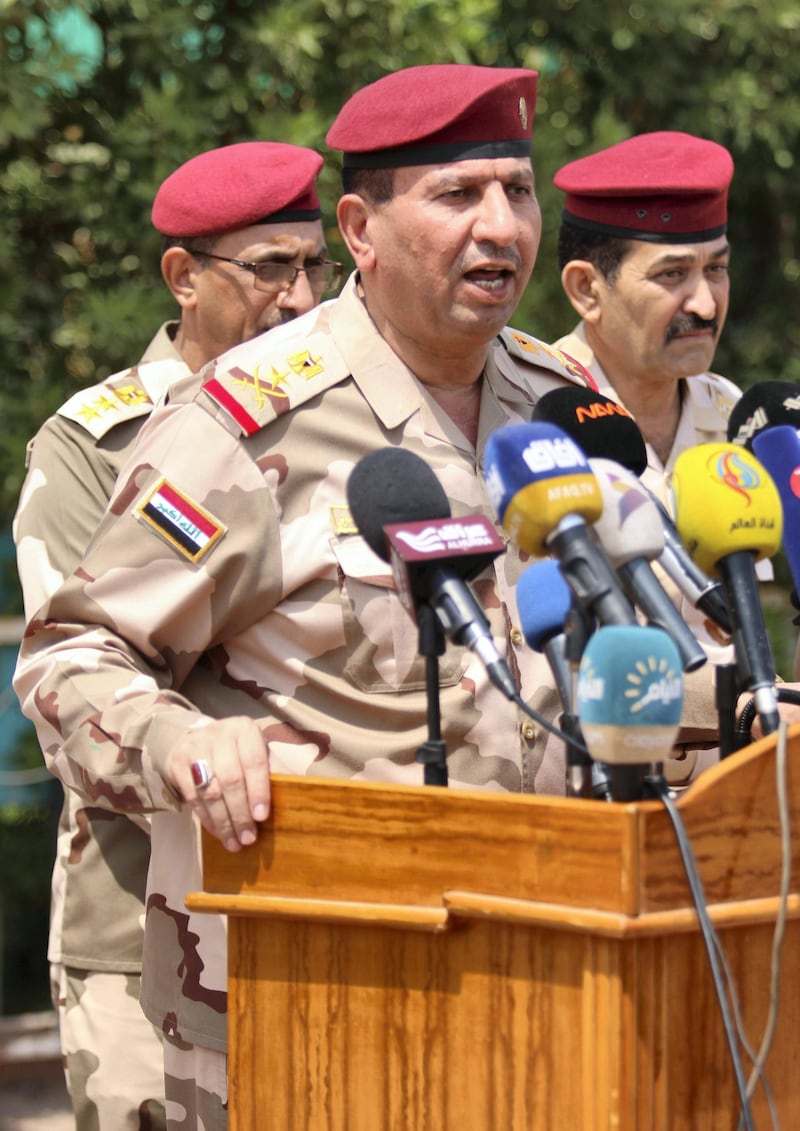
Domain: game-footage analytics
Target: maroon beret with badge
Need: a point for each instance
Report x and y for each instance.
(237, 186)
(437, 113)
(664, 187)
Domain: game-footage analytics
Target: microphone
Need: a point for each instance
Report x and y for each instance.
(599, 426)
(403, 514)
(630, 698)
(554, 625)
(778, 449)
(545, 494)
(631, 533)
(606, 430)
(763, 406)
(729, 516)
(544, 601)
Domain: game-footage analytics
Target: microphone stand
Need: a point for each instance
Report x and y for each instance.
(432, 753)
(580, 767)
(727, 688)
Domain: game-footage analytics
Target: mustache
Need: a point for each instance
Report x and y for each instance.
(686, 323)
(492, 253)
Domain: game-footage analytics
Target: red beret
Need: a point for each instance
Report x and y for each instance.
(665, 187)
(254, 182)
(435, 114)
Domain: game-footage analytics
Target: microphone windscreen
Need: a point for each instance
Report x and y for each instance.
(630, 525)
(392, 485)
(725, 501)
(630, 694)
(779, 450)
(543, 602)
(535, 476)
(762, 406)
(599, 426)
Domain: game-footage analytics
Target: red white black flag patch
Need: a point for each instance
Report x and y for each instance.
(184, 524)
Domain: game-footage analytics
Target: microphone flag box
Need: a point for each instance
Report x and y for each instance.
(419, 550)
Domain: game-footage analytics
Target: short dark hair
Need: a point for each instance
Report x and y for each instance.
(375, 185)
(199, 244)
(605, 252)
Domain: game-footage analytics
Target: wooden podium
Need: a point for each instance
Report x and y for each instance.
(427, 959)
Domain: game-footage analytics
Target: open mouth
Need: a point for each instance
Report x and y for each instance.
(490, 280)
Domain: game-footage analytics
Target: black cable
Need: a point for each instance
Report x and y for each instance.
(660, 789)
(543, 722)
(744, 723)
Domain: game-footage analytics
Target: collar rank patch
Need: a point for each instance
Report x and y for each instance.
(184, 524)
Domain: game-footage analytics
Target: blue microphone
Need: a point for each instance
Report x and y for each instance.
(778, 449)
(629, 701)
(546, 496)
(544, 601)
(554, 624)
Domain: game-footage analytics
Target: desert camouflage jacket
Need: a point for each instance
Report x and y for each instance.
(229, 578)
(100, 869)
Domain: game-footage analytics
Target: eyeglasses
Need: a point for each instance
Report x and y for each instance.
(323, 274)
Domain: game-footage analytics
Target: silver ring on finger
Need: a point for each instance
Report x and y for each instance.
(202, 774)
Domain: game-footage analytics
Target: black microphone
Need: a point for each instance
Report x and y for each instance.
(603, 429)
(403, 514)
(763, 406)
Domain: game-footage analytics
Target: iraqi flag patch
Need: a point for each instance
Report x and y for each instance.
(184, 524)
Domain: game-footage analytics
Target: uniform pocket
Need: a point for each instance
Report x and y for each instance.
(381, 638)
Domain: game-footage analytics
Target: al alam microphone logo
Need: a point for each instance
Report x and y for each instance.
(734, 472)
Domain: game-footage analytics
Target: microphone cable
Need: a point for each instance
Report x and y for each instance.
(532, 713)
(720, 970)
(659, 788)
(744, 723)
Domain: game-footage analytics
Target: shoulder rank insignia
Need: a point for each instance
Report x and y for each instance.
(547, 357)
(184, 524)
(273, 376)
(123, 396)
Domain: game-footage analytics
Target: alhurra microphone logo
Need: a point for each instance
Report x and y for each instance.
(447, 537)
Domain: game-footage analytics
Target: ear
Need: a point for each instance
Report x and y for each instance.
(354, 213)
(180, 271)
(582, 285)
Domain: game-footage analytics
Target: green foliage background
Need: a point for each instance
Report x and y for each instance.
(101, 99)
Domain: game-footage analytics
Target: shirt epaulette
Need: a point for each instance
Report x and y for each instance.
(721, 393)
(535, 352)
(123, 396)
(273, 379)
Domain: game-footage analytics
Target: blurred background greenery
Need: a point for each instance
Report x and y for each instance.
(99, 101)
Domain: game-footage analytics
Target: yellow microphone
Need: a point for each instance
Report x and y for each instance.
(729, 515)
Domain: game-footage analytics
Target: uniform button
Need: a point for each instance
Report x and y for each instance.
(528, 732)
(516, 636)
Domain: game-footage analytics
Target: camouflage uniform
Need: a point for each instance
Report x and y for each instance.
(112, 1055)
(707, 403)
(236, 583)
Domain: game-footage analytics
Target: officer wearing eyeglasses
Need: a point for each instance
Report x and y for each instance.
(243, 251)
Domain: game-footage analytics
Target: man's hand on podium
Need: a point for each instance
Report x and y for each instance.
(221, 768)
